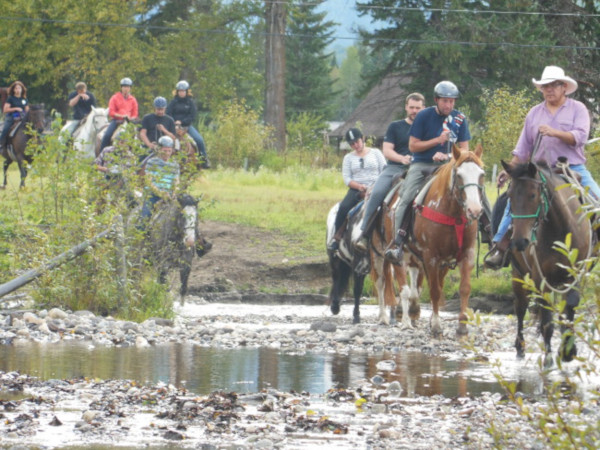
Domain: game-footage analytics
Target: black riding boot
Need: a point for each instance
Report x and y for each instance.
(394, 254)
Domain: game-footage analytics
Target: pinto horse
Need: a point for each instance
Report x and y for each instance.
(85, 135)
(444, 234)
(383, 272)
(545, 210)
(18, 138)
(173, 238)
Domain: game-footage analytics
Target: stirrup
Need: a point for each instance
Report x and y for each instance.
(495, 259)
(394, 255)
(361, 244)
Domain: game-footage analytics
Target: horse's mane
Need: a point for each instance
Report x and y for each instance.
(444, 174)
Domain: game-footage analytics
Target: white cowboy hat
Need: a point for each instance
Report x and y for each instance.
(555, 73)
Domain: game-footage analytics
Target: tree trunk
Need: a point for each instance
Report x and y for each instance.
(275, 13)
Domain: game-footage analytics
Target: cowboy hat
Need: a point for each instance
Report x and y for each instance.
(555, 73)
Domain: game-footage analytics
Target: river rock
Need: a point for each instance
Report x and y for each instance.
(56, 313)
(30, 317)
(325, 326)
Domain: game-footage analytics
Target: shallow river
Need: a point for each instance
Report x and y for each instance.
(206, 369)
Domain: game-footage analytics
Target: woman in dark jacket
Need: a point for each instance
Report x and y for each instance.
(183, 109)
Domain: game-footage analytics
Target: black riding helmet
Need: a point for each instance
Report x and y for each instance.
(353, 135)
(445, 89)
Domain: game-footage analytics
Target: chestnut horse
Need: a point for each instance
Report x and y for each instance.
(545, 209)
(18, 137)
(444, 234)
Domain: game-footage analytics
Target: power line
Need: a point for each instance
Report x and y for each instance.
(458, 11)
(352, 38)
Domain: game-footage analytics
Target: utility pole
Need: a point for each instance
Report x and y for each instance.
(275, 15)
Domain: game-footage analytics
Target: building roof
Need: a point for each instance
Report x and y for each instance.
(382, 105)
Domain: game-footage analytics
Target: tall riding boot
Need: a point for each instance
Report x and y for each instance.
(496, 258)
(394, 254)
(485, 228)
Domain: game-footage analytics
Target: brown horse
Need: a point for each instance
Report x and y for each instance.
(444, 233)
(544, 211)
(18, 137)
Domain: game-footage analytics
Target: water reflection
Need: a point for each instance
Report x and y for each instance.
(203, 370)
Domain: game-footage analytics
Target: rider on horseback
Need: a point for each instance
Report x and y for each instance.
(121, 106)
(157, 124)
(14, 109)
(81, 101)
(395, 149)
(432, 134)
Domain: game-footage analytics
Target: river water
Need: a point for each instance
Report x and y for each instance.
(206, 369)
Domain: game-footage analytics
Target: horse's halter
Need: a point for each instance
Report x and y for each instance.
(542, 209)
(458, 190)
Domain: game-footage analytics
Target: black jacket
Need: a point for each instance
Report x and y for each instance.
(183, 109)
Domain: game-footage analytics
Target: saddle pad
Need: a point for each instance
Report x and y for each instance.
(423, 192)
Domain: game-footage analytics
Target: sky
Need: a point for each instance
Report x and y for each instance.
(344, 13)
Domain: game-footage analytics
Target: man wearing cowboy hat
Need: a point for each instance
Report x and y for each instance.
(564, 126)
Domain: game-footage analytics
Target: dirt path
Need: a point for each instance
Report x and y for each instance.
(247, 259)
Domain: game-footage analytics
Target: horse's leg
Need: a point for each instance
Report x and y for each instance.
(416, 283)
(378, 275)
(184, 274)
(402, 280)
(340, 275)
(547, 330)
(568, 350)
(435, 290)
(465, 267)
(359, 281)
(7, 163)
(521, 304)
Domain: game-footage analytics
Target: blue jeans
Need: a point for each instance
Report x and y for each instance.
(586, 181)
(112, 126)
(199, 140)
(8, 121)
(148, 206)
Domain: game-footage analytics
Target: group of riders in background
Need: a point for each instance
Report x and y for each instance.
(170, 128)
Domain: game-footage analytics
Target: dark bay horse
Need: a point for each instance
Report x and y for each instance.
(545, 210)
(444, 234)
(173, 238)
(18, 138)
(346, 262)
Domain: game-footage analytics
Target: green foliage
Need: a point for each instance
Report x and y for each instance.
(239, 138)
(64, 205)
(428, 41)
(505, 112)
(308, 87)
(348, 84)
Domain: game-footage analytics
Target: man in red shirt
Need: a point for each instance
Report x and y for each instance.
(121, 106)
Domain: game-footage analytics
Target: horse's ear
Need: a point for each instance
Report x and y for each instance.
(478, 150)
(507, 166)
(531, 169)
(456, 152)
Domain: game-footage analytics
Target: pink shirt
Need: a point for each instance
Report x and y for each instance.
(122, 106)
(572, 116)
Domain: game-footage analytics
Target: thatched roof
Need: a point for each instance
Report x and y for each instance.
(382, 105)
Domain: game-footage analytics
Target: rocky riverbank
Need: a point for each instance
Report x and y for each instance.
(371, 414)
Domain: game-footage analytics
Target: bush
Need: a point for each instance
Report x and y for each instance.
(238, 139)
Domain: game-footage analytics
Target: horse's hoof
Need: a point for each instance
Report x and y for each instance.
(413, 322)
(356, 320)
(406, 325)
(548, 361)
(462, 331)
(335, 309)
(437, 334)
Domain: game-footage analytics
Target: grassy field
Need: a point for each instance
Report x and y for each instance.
(296, 203)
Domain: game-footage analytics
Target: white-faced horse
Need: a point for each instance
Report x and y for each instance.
(86, 134)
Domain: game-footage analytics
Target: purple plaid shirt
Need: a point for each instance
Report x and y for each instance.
(572, 116)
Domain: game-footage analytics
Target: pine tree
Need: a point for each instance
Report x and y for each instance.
(308, 64)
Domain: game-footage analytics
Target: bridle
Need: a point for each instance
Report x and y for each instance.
(542, 210)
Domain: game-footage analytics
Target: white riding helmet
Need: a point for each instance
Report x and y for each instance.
(166, 141)
(182, 85)
(126, 82)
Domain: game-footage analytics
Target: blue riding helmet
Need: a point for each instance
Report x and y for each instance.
(166, 141)
(160, 102)
(182, 85)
